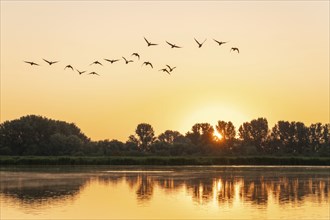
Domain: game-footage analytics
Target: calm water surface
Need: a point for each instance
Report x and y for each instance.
(131, 192)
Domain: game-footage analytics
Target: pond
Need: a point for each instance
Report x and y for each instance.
(168, 192)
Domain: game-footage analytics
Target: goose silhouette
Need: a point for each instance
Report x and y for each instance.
(68, 66)
(32, 63)
(173, 45)
(234, 49)
(220, 42)
(93, 73)
(50, 62)
(199, 44)
(147, 63)
(80, 72)
(165, 70)
(111, 61)
(127, 61)
(136, 54)
(171, 68)
(96, 62)
(149, 43)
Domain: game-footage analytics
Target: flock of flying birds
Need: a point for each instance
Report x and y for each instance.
(168, 69)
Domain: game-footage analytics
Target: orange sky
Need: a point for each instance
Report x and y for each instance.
(281, 72)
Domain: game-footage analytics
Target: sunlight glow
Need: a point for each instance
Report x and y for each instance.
(211, 112)
(209, 84)
(217, 135)
(219, 185)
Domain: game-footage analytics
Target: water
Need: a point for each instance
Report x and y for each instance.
(131, 192)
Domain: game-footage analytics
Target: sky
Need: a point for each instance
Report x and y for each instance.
(281, 71)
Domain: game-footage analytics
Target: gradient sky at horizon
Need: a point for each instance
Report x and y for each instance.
(281, 72)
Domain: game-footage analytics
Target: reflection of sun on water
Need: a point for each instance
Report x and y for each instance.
(219, 185)
(237, 191)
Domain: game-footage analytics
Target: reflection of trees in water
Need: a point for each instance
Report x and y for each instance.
(42, 188)
(132, 180)
(225, 190)
(145, 188)
(142, 183)
(201, 189)
(228, 189)
(295, 190)
(113, 179)
(281, 190)
(170, 184)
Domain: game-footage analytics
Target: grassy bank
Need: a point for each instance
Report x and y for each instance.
(156, 160)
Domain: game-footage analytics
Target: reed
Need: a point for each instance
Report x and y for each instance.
(159, 160)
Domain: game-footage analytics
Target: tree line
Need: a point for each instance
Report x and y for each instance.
(37, 135)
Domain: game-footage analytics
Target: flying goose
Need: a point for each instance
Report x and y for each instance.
(199, 44)
(220, 42)
(165, 70)
(234, 48)
(50, 62)
(111, 61)
(136, 54)
(171, 68)
(68, 66)
(149, 43)
(32, 63)
(173, 45)
(96, 62)
(127, 61)
(93, 73)
(148, 63)
(80, 72)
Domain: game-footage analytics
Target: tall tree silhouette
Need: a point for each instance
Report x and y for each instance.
(145, 136)
(290, 137)
(202, 134)
(255, 132)
(171, 137)
(318, 136)
(227, 130)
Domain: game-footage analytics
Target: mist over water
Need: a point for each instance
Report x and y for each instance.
(131, 192)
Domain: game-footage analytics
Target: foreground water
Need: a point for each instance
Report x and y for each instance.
(130, 192)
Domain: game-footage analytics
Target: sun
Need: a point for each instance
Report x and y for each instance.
(211, 111)
(217, 135)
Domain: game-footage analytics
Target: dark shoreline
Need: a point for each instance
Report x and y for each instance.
(163, 161)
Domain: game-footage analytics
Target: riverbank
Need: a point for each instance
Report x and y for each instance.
(166, 161)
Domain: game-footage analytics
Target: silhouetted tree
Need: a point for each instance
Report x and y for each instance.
(145, 136)
(171, 137)
(110, 148)
(326, 133)
(300, 137)
(160, 148)
(255, 132)
(227, 131)
(132, 139)
(290, 137)
(281, 136)
(202, 135)
(132, 145)
(31, 135)
(325, 142)
(64, 145)
(316, 136)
